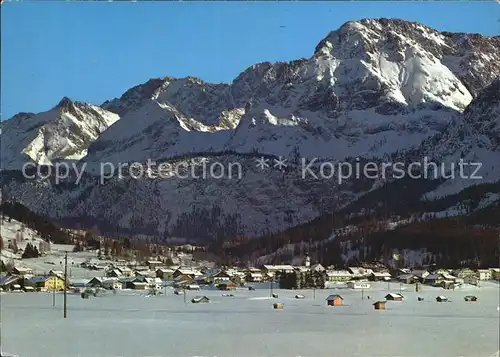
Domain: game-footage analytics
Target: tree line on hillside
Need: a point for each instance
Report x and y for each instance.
(138, 250)
(450, 240)
(381, 207)
(46, 229)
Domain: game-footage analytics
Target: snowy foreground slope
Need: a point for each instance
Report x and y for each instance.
(373, 90)
(246, 325)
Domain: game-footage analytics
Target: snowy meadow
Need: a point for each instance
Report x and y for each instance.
(129, 324)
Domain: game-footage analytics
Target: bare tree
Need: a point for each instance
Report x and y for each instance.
(44, 247)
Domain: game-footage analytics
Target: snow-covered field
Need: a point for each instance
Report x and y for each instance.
(129, 324)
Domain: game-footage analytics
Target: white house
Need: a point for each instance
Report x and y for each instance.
(484, 274)
(380, 276)
(154, 283)
(273, 269)
(254, 277)
(338, 276)
(359, 272)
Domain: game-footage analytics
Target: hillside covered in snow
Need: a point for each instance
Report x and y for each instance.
(374, 90)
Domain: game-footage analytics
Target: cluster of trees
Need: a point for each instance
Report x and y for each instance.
(302, 280)
(30, 251)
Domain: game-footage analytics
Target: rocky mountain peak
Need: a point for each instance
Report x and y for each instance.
(61, 133)
(65, 103)
(136, 96)
(74, 108)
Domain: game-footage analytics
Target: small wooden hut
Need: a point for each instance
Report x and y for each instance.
(394, 297)
(278, 305)
(334, 300)
(379, 305)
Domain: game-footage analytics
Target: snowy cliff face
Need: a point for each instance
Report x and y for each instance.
(483, 114)
(474, 138)
(62, 133)
(470, 57)
(370, 89)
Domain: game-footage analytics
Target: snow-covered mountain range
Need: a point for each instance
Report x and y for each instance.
(373, 89)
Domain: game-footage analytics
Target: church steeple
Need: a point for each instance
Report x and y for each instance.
(307, 261)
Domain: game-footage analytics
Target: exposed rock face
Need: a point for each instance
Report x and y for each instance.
(372, 88)
(62, 133)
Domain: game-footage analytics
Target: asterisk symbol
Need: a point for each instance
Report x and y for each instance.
(280, 163)
(262, 163)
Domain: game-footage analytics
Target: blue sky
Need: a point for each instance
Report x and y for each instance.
(94, 51)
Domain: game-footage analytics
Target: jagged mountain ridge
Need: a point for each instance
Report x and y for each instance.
(397, 73)
(372, 88)
(62, 133)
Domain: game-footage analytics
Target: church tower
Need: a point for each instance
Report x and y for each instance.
(307, 261)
